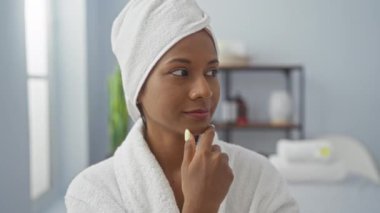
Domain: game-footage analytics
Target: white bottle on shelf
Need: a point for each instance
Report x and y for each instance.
(280, 108)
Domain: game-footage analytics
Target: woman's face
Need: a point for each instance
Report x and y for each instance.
(182, 91)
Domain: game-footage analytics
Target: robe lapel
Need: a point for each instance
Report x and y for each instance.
(143, 184)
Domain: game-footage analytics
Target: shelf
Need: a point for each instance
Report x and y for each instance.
(254, 125)
(292, 72)
(262, 67)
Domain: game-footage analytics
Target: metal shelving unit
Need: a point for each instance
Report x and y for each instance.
(288, 71)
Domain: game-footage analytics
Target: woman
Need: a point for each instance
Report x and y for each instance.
(167, 53)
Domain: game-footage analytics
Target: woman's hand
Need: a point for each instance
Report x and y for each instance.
(206, 175)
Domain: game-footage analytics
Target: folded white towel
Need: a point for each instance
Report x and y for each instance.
(303, 172)
(144, 31)
(317, 151)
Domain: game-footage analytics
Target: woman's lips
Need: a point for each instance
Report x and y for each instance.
(198, 114)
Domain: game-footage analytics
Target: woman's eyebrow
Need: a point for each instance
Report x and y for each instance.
(186, 61)
(214, 61)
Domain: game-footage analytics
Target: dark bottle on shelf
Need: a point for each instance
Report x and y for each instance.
(241, 119)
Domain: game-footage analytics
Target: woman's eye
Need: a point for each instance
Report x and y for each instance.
(181, 72)
(212, 73)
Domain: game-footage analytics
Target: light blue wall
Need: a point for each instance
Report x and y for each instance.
(338, 42)
(69, 69)
(14, 146)
(101, 63)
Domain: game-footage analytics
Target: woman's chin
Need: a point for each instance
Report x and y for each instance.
(199, 129)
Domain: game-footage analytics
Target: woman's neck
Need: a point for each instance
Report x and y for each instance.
(167, 147)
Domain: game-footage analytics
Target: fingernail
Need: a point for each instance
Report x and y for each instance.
(213, 126)
(187, 135)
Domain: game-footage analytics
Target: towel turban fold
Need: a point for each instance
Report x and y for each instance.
(144, 31)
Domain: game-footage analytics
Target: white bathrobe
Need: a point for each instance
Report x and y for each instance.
(133, 181)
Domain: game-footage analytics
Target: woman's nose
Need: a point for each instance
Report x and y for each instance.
(200, 89)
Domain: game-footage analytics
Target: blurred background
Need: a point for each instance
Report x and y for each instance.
(59, 85)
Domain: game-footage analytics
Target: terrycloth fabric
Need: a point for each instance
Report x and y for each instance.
(133, 181)
(144, 31)
(308, 160)
(310, 171)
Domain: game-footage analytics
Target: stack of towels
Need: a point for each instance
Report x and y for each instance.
(308, 160)
(233, 53)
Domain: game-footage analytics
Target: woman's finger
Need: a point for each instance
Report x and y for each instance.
(224, 156)
(206, 139)
(215, 148)
(189, 148)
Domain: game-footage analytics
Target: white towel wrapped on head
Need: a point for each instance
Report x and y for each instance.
(144, 31)
(318, 151)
